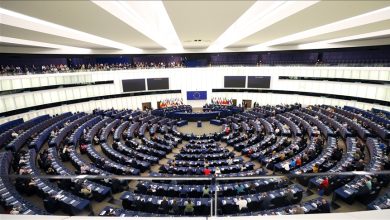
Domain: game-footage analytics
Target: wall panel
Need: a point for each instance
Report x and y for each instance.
(194, 79)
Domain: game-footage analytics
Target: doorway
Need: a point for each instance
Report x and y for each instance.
(146, 105)
(247, 103)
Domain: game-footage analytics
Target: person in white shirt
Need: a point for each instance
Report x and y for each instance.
(286, 166)
(242, 203)
(15, 210)
(96, 139)
(230, 161)
(84, 169)
(388, 202)
(14, 134)
(217, 171)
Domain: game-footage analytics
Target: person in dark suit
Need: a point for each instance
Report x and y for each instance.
(164, 206)
(175, 210)
(266, 201)
(323, 206)
(290, 196)
(31, 187)
(359, 166)
(199, 171)
(51, 203)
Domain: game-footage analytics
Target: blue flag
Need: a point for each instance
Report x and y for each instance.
(196, 95)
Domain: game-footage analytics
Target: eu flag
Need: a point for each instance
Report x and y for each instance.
(196, 95)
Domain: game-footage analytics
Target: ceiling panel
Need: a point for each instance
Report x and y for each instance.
(203, 20)
(2, 44)
(378, 26)
(14, 32)
(83, 16)
(369, 41)
(319, 14)
(197, 23)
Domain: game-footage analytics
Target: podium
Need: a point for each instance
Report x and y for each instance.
(199, 124)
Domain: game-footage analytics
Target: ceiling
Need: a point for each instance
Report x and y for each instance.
(173, 26)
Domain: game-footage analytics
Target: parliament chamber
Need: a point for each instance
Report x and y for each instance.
(201, 109)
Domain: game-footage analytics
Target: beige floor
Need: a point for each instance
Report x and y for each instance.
(206, 128)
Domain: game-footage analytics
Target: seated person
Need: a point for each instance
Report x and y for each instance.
(206, 191)
(298, 162)
(84, 169)
(164, 206)
(50, 171)
(198, 171)
(266, 201)
(282, 156)
(86, 192)
(217, 171)
(252, 188)
(31, 187)
(188, 207)
(323, 206)
(65, 153)
(359, 166)
(240, 189)
(315, 168)
(206, 171)
(83, 148)
(290, 196)
(242, 204)
(323, 188)
(298, 210)
(51, 202)
(292, 164)
(286, 167)
(368, 184)
(14, 134)
(15, 210)
(175, 210)
(96, 140)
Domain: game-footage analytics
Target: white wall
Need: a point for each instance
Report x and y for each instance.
(201, 79)
(133, 102)
(274, 99)
(29, 99)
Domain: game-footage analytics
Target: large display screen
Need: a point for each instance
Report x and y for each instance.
(133, 85)
(158, 83)
(259, 81)
(234, 82)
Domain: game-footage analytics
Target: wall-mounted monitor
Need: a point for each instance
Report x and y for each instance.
(158, 83)
(133, 85)
(235, 81)
(259, 82)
